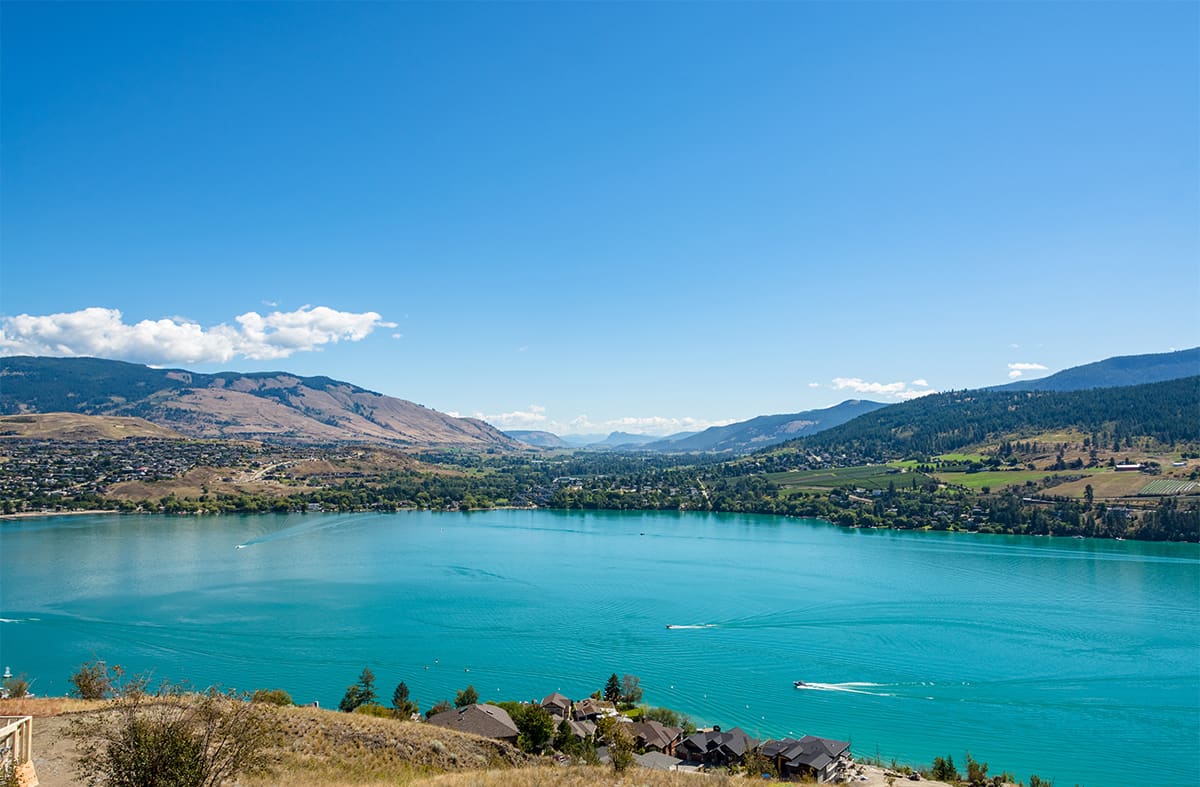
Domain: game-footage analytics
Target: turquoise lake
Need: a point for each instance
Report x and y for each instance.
(1078, 660)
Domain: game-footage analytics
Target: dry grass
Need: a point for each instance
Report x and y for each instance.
(193, 484)
(44, 707)
(316, 747)
(575, 776)
(73, 426)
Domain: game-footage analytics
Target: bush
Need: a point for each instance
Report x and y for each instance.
(272, 697)
(94, 680)
(8, 774)
(16, 687)
(375, 709)
(172, 739)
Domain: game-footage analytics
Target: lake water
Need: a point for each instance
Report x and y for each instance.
(1078, 660)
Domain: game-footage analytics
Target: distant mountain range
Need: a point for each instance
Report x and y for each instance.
(765, 430)
(1122, 370)
(269, 405)
(741, 437)
(284, 407)
(537, 438)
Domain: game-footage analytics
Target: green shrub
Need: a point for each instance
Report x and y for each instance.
(172, 739)
(272, 697)
(375, 709)
(94, 680)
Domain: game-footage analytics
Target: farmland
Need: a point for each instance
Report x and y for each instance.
(863, 477)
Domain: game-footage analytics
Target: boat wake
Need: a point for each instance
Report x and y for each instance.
(696, 626)
(302, 529)
(851, 688)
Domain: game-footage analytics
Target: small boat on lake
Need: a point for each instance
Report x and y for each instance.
(799, 684)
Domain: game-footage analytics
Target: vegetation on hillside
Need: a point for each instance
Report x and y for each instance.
(1165, 412)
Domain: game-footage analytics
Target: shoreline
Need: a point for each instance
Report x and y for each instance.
(91, 512)
(36, 514)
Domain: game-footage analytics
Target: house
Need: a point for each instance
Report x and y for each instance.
(651, 735)
(1128, 468)
(581, 729)
(716, 749)
(557, 705)
(488, 721)
(591, 709)
(809, 757)
(657, 761)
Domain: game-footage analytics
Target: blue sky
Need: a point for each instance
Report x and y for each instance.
(587, 217)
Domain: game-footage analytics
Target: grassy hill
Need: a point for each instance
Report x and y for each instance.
(274, 406)
(72, 426)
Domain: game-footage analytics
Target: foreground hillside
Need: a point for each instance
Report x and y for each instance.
(329, 749)
(273, 405)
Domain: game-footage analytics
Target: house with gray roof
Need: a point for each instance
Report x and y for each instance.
(489, 721)
(557, 705)
(657, 761)
(651, 735)
(809, 757)
(716, 749)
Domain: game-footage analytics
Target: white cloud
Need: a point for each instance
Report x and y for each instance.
(518, 419)
(581, 424)
(814, 385)
(897, 390)
(1015, 370)
(658, 424)
(535, 417)
(97, 331)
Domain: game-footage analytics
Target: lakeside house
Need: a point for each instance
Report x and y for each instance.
(716, 749)
(557, 705)
(653, 736)
(660, 747)
(489, 721)
(807, 758)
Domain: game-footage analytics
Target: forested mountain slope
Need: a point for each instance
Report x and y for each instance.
(1165, 411)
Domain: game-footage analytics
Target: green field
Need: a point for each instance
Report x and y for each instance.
(967, 458)
(998, 479)
(868, 477)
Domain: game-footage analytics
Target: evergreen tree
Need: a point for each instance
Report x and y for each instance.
(360, 693)
(612, 689)
(405, 708)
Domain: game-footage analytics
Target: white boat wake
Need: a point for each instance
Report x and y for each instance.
(853, 687)
(698, 626)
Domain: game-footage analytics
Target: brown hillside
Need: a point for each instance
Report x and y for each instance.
(283, 407)
(73, 426)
